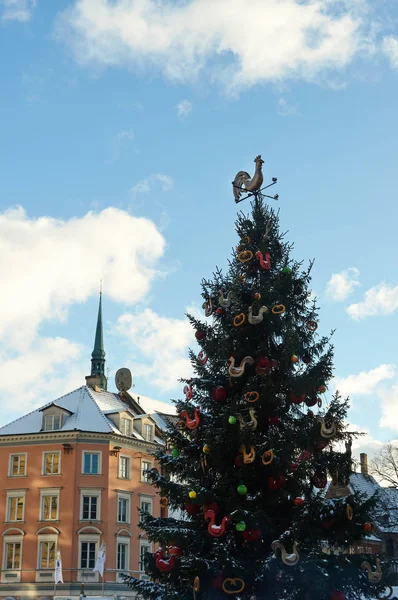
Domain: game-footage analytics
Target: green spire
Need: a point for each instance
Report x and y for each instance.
(98, 354)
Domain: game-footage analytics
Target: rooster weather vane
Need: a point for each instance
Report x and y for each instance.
(251, 186)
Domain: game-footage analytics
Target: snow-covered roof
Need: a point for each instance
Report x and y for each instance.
(387, 511)
(365, 484)
(89, 410)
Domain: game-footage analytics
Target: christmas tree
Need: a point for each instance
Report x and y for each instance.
(258, 437)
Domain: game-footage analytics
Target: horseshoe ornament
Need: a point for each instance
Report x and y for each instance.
(224, 301)
(202, 358)
(252, 424)
(327, 432)
(208, 306)
(248, 457)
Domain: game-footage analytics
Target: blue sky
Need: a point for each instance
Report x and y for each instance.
(123, 124)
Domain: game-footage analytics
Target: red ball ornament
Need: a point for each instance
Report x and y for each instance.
(337, 596)
(199, 334)
(294, 466)
(319, 446)
(310, 413)
(311, 401)
(219, 311)
(273, 420)
(192, 509)
(322, 389)
(252, 535)
(238, 460)
(219, 394)
(257, 296)
(319, 480)
(296, 399)
(368, 527)
(275, 483)
(299, 501)
(306, 359)
(294, 358)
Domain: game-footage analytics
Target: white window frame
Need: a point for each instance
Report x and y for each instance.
(148, 462)
(43, 470)
(11, 575)
(125, 540)
(52, 492)
(143, 544)
(42, 573)
(128, 476)
(145, 428)
(122, 427)
(25, 454)
(86, 573)
(127, 497)
(15, 494)
(52, 417)
(148, 500)
(93, 493)
(99, 452)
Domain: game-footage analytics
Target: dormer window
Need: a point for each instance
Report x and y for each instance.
(52, 422)
(147, 432)
(125, 426)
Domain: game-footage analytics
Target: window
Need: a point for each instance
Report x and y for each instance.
(146, 465)
(51, 463)
(147, 432)
(146, 504)
(13, 555)
(125, 426)
(46, 555)
(90, 504)
(122, 556)
(91, 463)
(123, 508)
(49, 505)
(145, 547)
(88, 551)
(15, 507)
(17, 465)
(124, 467)
(90, 507)
(52, 422)
(390, 547)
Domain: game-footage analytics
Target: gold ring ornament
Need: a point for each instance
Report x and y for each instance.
(251, 396)
(239, 319)
(233, 585)
(164, 502)
(349, 512)
(267, 457)
(245, 256)
(278, 309)
(311, 325)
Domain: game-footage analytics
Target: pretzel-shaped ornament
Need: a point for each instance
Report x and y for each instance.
(239, 319)
(278, 309)
(267, 457)
(251, 396)
(233, 585)
(245, 256)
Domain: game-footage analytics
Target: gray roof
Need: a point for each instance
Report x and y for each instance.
(387, 511)
(88, 412)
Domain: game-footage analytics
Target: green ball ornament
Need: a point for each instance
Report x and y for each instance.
(240, 526)
(175, 453)
(241, 489)
(286, 270)
(232, 420)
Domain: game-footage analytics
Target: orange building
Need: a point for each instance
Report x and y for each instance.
(72, 477)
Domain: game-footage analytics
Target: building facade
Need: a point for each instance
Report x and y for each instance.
(73, 476)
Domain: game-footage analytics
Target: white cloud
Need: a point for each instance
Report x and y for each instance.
(342, 284)
(389, 407)
(145, 185)
(379, 300)
(163, 343)
(17, 10)
(49, 264)
(241, 42)
(390, 49)
(184, 108)
(365, 382)
(286, 109)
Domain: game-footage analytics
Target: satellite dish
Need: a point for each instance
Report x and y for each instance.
(123, 379)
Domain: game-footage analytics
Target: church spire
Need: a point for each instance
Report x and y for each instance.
(97, 376)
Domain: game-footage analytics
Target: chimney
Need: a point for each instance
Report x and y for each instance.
(364, 463)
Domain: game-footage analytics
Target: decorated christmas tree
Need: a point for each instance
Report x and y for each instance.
(257, 440)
